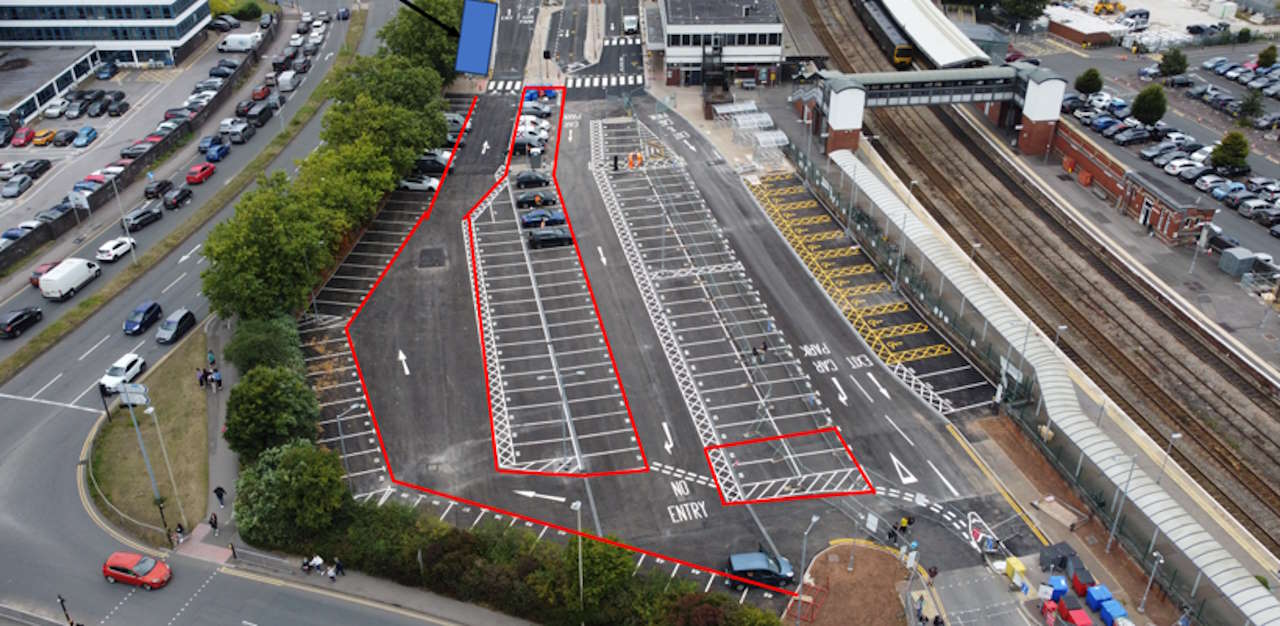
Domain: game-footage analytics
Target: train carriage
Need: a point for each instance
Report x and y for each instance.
(888, 36)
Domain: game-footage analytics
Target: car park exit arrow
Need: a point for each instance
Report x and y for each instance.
(404, 361)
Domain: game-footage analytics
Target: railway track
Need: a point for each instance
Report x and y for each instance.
(1140, 356)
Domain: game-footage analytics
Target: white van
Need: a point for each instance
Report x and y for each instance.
(68, 277)
(630, 24)
(240, 43)
(287, 81)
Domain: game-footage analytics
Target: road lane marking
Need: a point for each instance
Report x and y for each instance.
(904, 474)
(982, 466)
(864, 391)
(87, 390)
(135, 348)
(944, 479)
(94, 347)
(46, 385)
(336, 595)
(175, 281)
(895, 427)
(64, 405)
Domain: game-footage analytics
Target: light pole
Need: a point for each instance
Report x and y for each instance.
(1167, 451)
(804, 555)
(1111, 537)
(1057, 332)
(1142, 606)
(151, 410)
(576, 507)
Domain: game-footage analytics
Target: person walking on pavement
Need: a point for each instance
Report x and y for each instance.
(212, 360)
(332, 574)
(182, 533)
(220, 493)
(902, 526)
(200, 377)
(217, 380)
(208, 378)
(337, 565)
(213, 523)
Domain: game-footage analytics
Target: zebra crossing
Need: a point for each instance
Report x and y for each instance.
(622, 41)
(602, 81)
(505, 86)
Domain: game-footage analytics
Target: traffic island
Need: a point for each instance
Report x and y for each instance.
(854, 582)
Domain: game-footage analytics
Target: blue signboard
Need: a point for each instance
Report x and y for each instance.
(475, 42)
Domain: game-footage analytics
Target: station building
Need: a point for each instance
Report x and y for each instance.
(128, 31)
(744, 37)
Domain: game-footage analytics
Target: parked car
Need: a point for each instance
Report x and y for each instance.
(265, 21)
(1267, 216)
(35, 168)
(1206, 183)
(1151, 152)
(418, 183)
(539, 109)
(76, 109)
(112, 250)
(175, 198)
(549, 236)
(1213, 62)
(85, 136)
(124, 370)
(157, 188)
(1173, 168)
(200, 173)
(760, 567)
(142, 317)
(117, 108)
(1247, 204)
(1110, 131)
(41, 270)
(16, 186)
(220, 71)
(13, 323)
(243, 106)
(98, 108)
(538, 218)
(135, 150)
(1190, 175)
(1233, 171)
(56, 108)
(1086, 115)
(1180, 80)
(531, 178)
(142, 216)
(64, 137)
(344, 13)
(1132, 136)
(1222, 191)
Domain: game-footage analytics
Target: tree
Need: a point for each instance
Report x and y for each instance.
(422, 42)
(263, 261)
(388, 78)
(269, 342)
(1149, 106)
(270, 406)
(1173, 62)
(1267, 57)
(1244, 36)
(1250, 106)
(344, 183)
(290, 496)
(247, 10)
(1233, 150)
(1089, 82)
(1022, 10)
(401, 133)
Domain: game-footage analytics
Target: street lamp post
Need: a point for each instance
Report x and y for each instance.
(1142, 606)
(1167, 451)
(576, 506)
(804, 555)
(1057, 333)
(1111, 537)
(151, 410)
(902, 227)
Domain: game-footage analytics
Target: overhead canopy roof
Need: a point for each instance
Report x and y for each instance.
(935, 35)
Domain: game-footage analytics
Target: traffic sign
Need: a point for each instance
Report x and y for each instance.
(133, 388)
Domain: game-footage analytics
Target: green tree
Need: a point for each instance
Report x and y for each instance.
(1267, 57)
(290, 496)
(344, 182)
(269, 342)
(401, 133)
(247, 10)
(1022, 10)
(1089, 82)
(264, 260)
(608, 581)
(1233, 150)
(270, 406)
(389, 78)
(1244, 36)
(1173, 62)
(1250, 106)
(1149, 106)
(422, 42)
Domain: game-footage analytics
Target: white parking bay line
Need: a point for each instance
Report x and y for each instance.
(94, 347)
(175, 281)
(944, 479)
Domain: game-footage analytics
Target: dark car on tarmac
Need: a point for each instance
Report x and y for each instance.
(13, 323)
(64, 137)
(35, 168)
(175, 326)
(243, 106)
(280, 62)
(302, 65)
(1181, 80)
(142, 318)
(535, 198)
(175, 198)
(1233, 171)
(548, 237)
(98, 108)
(117, 108)
(157, 188)
(1191, 174)
(140, 217)
(541, 217)
(1172, 155)
(1151, 152)
(220, 71)
(531, 179)
(136, 150)
(760, 567)
(1132, 136)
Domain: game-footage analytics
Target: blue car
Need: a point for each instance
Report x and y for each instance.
(1117, 104)
(107, 70)
(531, 95)
(86, 186)
(210, 140)
(85, 137)
(142, 317)
(1104, 122)
(542, 217)
(1222, 191)
(217, 152)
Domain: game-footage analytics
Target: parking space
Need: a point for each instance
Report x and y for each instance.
(557, 404)
(897, 335)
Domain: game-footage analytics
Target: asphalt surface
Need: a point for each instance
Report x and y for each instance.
(49, 541)
(620, 69)
(1191, 116)
(166, 289)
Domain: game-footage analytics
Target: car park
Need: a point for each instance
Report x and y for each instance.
(549, 237)
(124, 370)
(418, 183)
(85, 137)
(175, 326)
(535, 199)
(538, 218)
(200, 173)
(16, 186)
(531, 179)
(175, 198)
(14, 323)
(112, 250)
(142, 216)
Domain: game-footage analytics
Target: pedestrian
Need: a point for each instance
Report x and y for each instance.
(217, 380)
(213, 523)
(200, 377)
(893, 537)
(332, 574)
(208, 377)
(902, 526)
(182, 533)
(937, 621)
(316, 563)
(933, 573)
(212, 360)
(220, 492)
(764, 347)
(337, 565)
(911, 521)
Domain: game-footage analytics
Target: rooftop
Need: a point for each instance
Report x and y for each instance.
(23, 69)
(722, 11)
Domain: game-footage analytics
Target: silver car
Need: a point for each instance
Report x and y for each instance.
(16, 186)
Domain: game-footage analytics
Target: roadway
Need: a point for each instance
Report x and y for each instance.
(51, 544)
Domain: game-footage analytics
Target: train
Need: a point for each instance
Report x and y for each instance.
(888, 35)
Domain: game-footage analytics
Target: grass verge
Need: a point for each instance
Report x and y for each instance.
(182, 415)
(55, 331)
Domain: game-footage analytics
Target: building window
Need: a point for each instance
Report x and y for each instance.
(685, 40)
(673, 40)
(775, 39)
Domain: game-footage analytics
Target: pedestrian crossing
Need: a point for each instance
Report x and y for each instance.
(622, 41)
(511, 86)
(611, 80)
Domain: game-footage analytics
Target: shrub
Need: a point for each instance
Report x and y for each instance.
(293, 494)
(271, 342)
(270, 406)
(247, 10)
(1089, 81)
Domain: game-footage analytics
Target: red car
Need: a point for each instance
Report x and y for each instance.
(135, 569)
(200, 173)
(40, 271)
(22, 137)
(261, 92)
(153, 138)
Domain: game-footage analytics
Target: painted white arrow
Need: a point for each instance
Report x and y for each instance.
(882, 389)
(533, 494)
(404, 361)
(843, 398)
(666, 430)
(603, 261)
(189, 253)
(904, 474)
(484, 147)
(328, 56)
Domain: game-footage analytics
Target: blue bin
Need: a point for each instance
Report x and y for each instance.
(1095, 596)
(1111, 610)
(1059, 584)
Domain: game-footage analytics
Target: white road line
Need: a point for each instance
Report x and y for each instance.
(895, 427)
(64, 405)
(944, 479)
(175, 281)
(94, 347)
(140, 344)
(859, 386)
(87, 390)
(46, 385)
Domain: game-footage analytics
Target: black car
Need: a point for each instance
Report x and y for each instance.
(550, 236)
(531, 179)
(220, 71)
(1132, 136)
(142, 318)
(1223, 242)
(94, 94)
(264, 22)
(98, 108)
(118, 108)
(302, 65)
(1191, 174)
(175, 198)
(224, 23)
(760, 567)
(35, 168)
(134, 151)
(14, 322)
(229, 62)
(78, 94)
(1181, 80)
(1070, 106)
(157, 188)
(6, 135)
(243, 106)
(1233, 171)
(140, 217)
(279, 63)
(1234, 200)
(303, 28)
(175, 326)
(115, 96)
(310, 49)
(1151, 152)
(64, 137)
(1115, 129)
(535, 198)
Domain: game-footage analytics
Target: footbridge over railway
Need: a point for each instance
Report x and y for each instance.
(1017, 94)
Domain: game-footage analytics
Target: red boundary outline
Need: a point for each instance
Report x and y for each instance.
(870, 490)
(364, 390)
